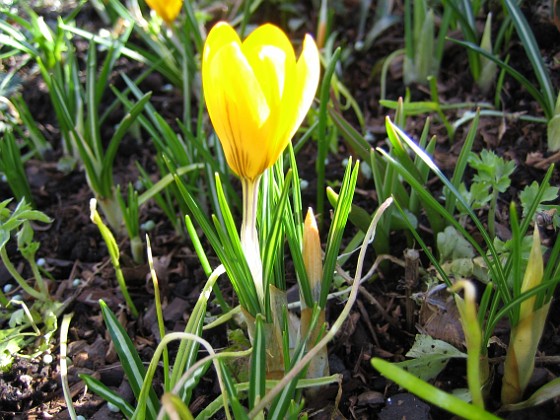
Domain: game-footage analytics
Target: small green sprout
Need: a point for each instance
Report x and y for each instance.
(492, 178)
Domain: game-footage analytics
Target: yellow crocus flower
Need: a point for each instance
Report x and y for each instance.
(166, 9)
(257, 93)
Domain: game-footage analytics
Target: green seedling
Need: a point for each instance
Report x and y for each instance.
(11, 166)
(548, 212)
(492, 178)
(114, 254)
(27, 328)
(506, 291)
(464, 12)
(76, 105)
(526, 333)
(544, 93)
(423, 51)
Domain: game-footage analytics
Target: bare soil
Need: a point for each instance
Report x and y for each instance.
(73, 249)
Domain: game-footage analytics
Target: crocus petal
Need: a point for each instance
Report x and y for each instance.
(270, 52)
(298, 99)
(237, 108)
(166, 9)
(221, 35)
(308, 71)
(273, 60)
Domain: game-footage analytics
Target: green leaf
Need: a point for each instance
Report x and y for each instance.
(334, 238)
(430, 393)
(257, 381)
(545, 393)
(10, 344)
(357, 142)
(529, 195)
(553, 133)
(106, 176)
(531, 47)
(238, 410)
(430, 357)
(492, 169)
(526, 83)
(175, 407)
(108, 395)
(451, 245)
(132, 364)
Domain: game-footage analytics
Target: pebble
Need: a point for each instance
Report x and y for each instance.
(113, 408)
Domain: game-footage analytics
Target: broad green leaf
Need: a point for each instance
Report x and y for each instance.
(430, 356)
(426, 345)
(529, 194)
(452, 246)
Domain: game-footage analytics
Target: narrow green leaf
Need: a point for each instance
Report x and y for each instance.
(274, 237)
(531, 89)
(93, 136)
(238, 410)
(545, 393)
(357, 142)
(176, 408)
(106, 175)
(430, 393)
(257, 380)
(336, 230)
(97, 387)
(462, 160)
(533, 53)
(130, 360)
(324, 93)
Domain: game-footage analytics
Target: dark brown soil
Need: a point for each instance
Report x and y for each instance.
(73, 248)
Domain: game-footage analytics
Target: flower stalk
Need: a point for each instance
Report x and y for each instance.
(249, 236)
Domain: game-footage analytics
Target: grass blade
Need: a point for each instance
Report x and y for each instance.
(430, 393)
(130, 360)
(533, 53)
(97, 387)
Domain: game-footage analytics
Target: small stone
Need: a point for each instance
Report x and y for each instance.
(148, 225)
(370, 398)
(113, 408)
(404, 405)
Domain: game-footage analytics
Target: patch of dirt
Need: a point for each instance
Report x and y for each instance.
(77, 259)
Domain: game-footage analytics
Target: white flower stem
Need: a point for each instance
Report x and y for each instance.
(249, 235)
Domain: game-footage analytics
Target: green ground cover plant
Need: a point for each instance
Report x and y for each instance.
(230, 118)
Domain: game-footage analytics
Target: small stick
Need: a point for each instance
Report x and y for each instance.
(411, 260)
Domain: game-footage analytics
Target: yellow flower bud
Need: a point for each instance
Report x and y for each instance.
(166, 9)
(312, 258)
(257, 93)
